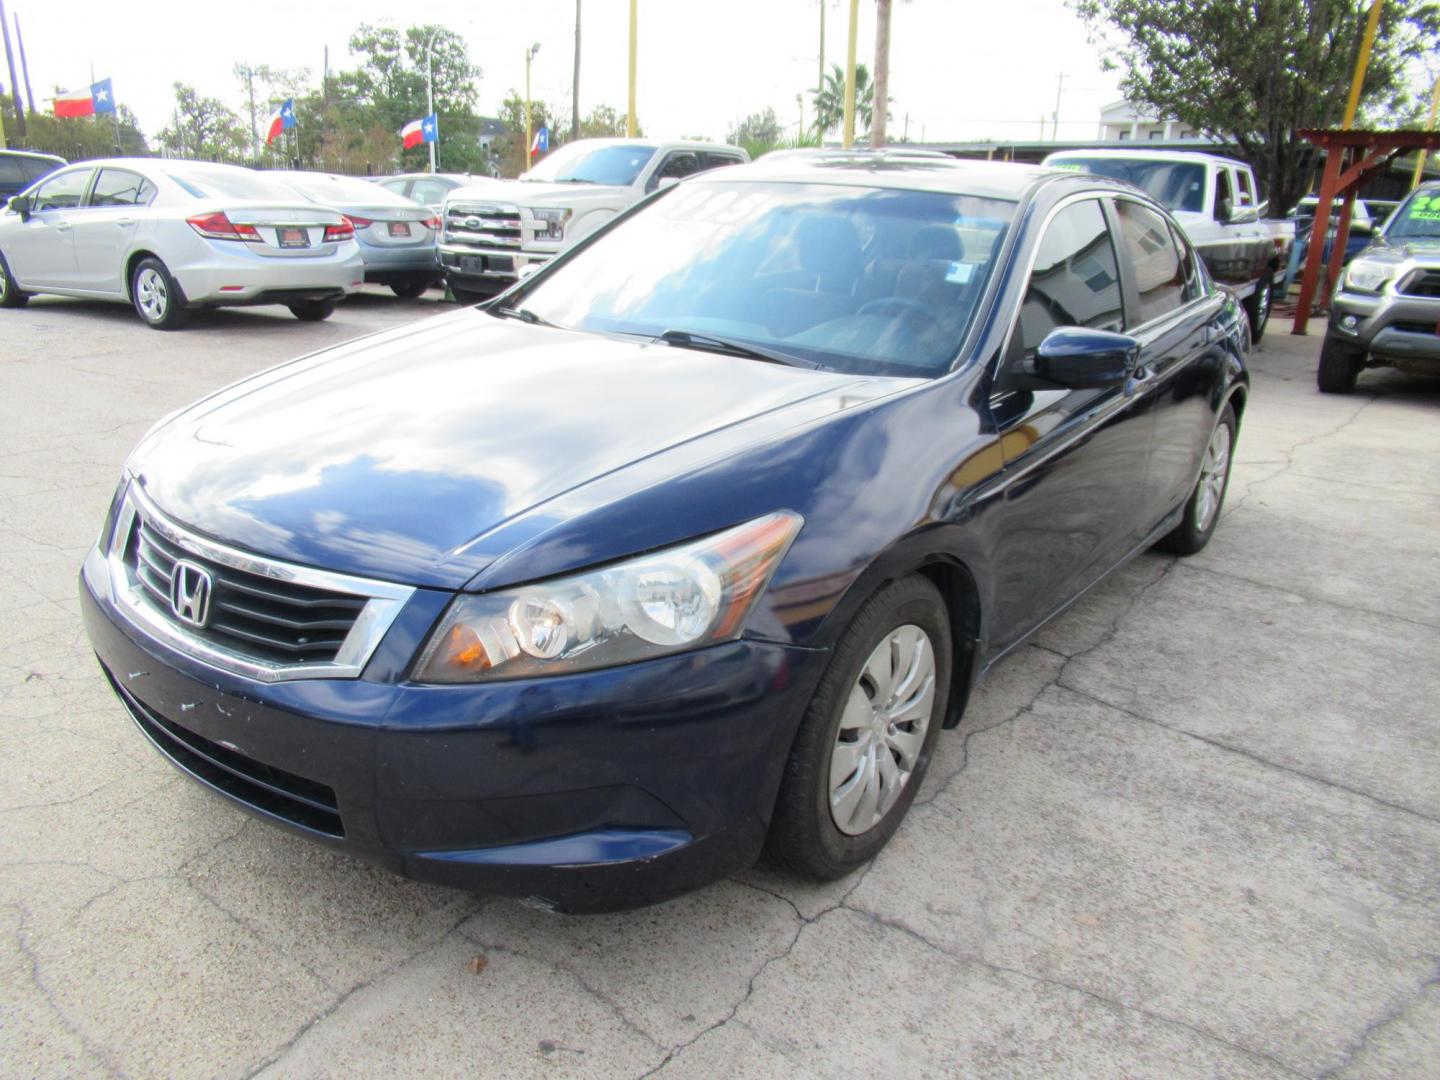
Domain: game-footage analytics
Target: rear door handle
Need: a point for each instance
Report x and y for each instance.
(62, 226)
(125, 222)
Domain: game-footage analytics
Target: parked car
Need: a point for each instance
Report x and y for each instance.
(1217, 202)
(396, 237)
(172, 236)
(496, 232)
(1386, 309)
(430, 189)
(1362, 227)
(20, 168)
(690, 543)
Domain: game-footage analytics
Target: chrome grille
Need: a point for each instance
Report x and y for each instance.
(483, 225)
(267, 619)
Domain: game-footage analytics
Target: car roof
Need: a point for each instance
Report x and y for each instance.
(1148, 155)
(35, 154)
(669, 144)
(987, 179)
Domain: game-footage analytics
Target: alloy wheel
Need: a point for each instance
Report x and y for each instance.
(1212, 477)
(882, 730)
(151, 294)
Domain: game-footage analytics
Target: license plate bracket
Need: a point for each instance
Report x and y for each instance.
(400, 228)
(288, 237)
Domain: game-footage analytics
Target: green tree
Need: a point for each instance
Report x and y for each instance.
(204, 127)
(1255, 73)
(760, 129)
(80, 138)
(604, 122)
(830, 101)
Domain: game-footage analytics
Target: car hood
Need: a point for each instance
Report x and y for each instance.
(1420, 249)
(537, 193)
(391, 456)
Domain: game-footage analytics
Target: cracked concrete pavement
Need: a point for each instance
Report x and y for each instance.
(1192, 829)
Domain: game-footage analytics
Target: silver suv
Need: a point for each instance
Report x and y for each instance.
(1386, 311)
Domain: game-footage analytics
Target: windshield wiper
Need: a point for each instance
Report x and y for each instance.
(523, 314)
(686, 339)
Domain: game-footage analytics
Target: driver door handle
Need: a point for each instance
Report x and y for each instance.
(62, 226)
(125, 222)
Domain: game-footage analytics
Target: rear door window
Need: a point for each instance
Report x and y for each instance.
(120, 187)
(1148, 248)
(61, 192)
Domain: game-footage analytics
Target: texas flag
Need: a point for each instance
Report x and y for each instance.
(99, 99)
(282, 119)
(541, 143)
(421, 131)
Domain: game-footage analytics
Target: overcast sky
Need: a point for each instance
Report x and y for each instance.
(961, 69)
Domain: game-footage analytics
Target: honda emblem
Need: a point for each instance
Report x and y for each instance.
(190, 588)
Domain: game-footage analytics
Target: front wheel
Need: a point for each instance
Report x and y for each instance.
(1257, 306)
(1340, 366)
(409, 290)
(312, 310)
(867, 736)
(157, 297)
(11, 295)
(1202, 510)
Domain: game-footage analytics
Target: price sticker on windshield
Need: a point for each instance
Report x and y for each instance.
(1424, 208)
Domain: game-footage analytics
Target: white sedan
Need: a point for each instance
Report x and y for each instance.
(172, 236)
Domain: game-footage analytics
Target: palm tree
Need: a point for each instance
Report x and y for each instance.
(830, 100)
(882, 69)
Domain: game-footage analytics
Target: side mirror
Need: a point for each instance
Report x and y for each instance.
(1243, 215)
(21, 205)
(667, 181)
(1086, 359)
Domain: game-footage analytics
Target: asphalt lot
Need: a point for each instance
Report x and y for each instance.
(1193, 829)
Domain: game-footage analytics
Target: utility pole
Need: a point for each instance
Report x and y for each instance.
(248, 73)
(575, 81)
(1055, 116)
(631, 127)
(529, 135)
(849, 138)
(24, 64)
(430, 88)
(14, 84)
(1361, 63)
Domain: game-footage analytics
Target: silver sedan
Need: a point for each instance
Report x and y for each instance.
(396, 237)
(172, 236)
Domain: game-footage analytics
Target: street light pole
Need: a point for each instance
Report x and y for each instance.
(430, 89)
(529, 135)
(632, 128)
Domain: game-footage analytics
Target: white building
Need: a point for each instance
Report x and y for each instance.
(1123, 121)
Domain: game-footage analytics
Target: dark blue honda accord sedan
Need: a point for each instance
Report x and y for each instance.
(688, 546)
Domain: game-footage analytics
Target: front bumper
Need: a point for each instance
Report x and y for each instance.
(590, 792)
(467, 262)
(230, 273)
(1389, 326)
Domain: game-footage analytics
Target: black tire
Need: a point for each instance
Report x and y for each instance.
(312, 310)
(803, 836)
(1257, 306)
(1340, 366)
(466, 297)
(156, 296)
(1190, 536)
(409, 290)
(11, 296)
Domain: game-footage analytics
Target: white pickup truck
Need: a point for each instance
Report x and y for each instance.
(1216, 201)
(493, 232)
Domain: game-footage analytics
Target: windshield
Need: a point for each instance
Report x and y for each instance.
(1178, 185)
(588, 163)
(230, 184)
(324, 188)
(876, 281)
(1418, 218)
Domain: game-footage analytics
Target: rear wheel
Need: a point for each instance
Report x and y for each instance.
(1257, 306)
(1202, 511)
(867, 737)
(1340, 366)
(312, 310)
(157, 297)
(10, 294)
(409, 290)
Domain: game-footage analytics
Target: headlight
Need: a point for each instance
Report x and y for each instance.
(683, 597)
(1369, 275)
(553, 222)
